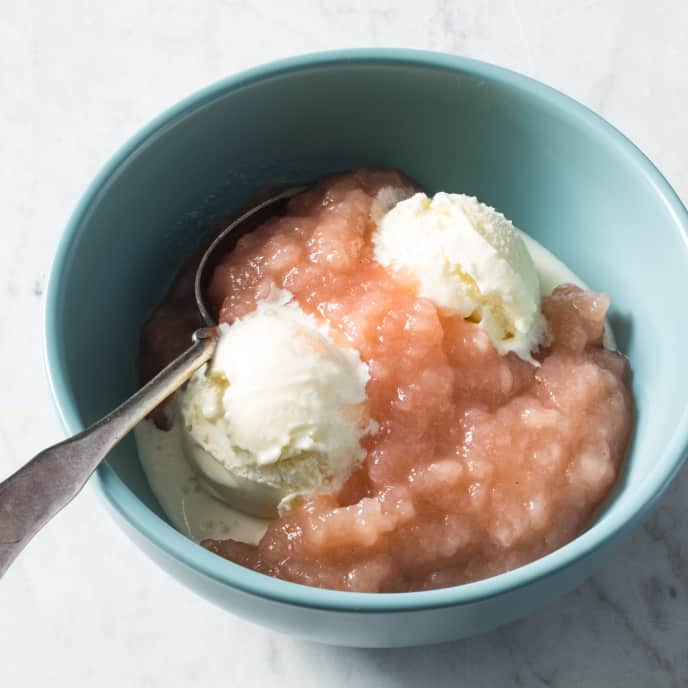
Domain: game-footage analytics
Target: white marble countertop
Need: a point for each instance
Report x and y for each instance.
(82, 606)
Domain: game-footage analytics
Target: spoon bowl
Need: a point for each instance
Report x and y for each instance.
(225, 241)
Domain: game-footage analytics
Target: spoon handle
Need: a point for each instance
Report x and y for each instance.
(36, 492)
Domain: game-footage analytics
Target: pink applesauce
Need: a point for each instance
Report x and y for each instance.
(482, 463)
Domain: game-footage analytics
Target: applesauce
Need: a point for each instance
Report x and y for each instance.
(480, 463)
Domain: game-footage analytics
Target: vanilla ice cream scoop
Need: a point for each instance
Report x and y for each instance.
(469, 260)
(278, 412)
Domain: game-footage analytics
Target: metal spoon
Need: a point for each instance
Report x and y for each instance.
(36, 492)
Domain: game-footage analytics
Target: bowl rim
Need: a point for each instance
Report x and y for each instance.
(168, 540)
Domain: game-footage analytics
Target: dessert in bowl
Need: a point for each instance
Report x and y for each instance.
(392, 405)
(559, 172)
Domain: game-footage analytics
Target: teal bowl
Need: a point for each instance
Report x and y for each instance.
(559, 171)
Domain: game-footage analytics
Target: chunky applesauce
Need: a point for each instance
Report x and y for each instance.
(480, 463)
